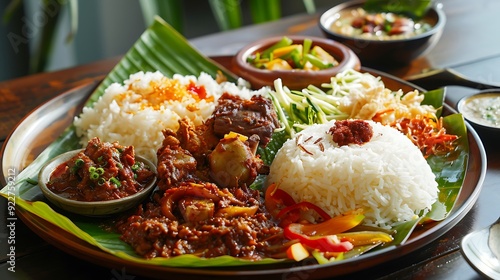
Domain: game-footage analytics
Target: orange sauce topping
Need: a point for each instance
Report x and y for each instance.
(169, 90)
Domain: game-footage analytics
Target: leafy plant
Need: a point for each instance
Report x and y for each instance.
(45, 44)
(228, 14)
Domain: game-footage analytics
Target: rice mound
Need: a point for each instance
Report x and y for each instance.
(136, 112)
(387, 177)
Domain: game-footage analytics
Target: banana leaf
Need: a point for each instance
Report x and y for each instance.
(450, 174)
(164, 49)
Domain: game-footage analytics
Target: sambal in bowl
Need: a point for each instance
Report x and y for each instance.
(100, 180)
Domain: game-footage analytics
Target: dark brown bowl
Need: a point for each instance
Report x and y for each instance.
(386, 53)
(296, 78)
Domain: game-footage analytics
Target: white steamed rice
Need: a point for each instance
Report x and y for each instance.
(387, 177)
(132, 114)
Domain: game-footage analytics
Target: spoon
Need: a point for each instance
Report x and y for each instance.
(481, 249)
(437, 78)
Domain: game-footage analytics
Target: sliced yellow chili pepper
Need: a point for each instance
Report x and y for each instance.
(234, 211)
(335, 225)
(233, 134)
(322, 259)
(284, 51)
(359, 238)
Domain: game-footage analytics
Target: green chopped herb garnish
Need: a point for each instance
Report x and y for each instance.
(136, 166)
(78, 163)
(94, 176)
(115, 181)
(101, 181)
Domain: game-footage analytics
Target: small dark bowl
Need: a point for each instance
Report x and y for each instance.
(296, 78)
(483, 128)
(386, 53)
(92, 208)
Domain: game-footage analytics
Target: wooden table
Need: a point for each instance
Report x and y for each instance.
(469, 45)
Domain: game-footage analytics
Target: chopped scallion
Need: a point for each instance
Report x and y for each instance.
(136, 166)
(115, 181)
(94, 176)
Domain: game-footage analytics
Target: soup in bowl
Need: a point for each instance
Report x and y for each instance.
(382, 39)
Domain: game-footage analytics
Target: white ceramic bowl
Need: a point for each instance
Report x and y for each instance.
(468, 107)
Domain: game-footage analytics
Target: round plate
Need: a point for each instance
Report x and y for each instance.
(50, 119)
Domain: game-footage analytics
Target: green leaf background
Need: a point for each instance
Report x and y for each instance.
(164, 49)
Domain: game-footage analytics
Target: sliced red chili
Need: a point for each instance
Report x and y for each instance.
(303, 206)
(284, 208)
(335, 225)
(328, 243)
(277, 199)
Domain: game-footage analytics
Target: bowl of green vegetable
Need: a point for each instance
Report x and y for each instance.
(299, 61)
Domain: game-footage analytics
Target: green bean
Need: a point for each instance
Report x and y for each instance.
(285, 41)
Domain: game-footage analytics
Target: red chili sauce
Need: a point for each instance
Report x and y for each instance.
(103, 171)
(351, 132)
